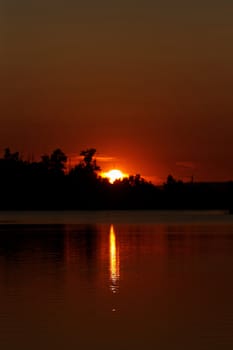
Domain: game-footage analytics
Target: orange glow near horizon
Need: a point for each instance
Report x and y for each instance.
(113, 175)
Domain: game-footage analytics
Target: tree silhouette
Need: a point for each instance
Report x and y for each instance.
(8, 156)
(11, 165)
(88, 162)
(87, 169)
(46, 184)
(171, 181)
(56, 163)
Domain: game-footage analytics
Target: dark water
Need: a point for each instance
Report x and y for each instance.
(121, 286)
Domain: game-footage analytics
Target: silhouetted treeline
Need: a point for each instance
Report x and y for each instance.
(48, 185)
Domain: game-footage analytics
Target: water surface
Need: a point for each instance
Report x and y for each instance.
(163, 283)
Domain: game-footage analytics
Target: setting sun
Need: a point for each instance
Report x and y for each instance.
(114, 175)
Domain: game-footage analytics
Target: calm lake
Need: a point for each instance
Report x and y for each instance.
(116, 280)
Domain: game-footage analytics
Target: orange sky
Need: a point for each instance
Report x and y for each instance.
(146, 84)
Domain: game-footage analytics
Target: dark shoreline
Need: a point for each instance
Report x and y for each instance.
(49, 185)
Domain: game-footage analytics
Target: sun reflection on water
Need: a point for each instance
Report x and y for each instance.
(114, 261)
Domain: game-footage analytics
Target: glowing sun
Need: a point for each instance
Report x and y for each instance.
(114, 175)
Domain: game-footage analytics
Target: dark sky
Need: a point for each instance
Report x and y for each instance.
(147, 83)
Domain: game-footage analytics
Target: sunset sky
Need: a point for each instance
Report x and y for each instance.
(149, 84)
